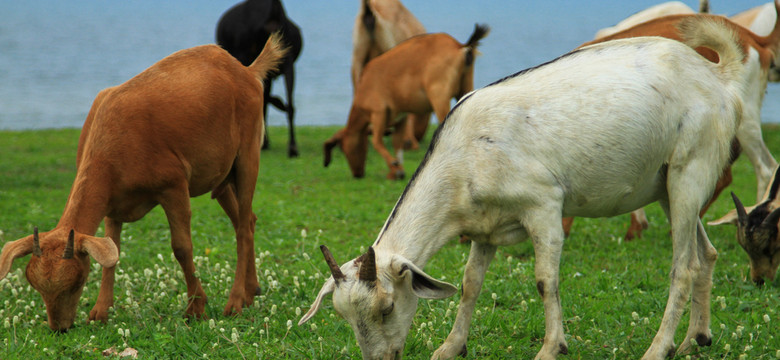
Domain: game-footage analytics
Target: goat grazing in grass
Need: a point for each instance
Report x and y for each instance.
(243, 30)
(418, 76)
(757, 231)
(598, 132)
(761, 52)
(187, 125)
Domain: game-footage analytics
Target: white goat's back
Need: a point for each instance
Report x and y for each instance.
(599, 124)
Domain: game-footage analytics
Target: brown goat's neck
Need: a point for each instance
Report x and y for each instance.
(87, 203)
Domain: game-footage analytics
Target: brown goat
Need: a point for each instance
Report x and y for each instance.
(761, 50)
(189, 124)
(418, 76)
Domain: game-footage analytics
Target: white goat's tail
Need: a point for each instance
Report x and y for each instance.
(270, 58)
(716, 34)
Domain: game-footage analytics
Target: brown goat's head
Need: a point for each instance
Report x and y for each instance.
(757, 233)
(353, 141)
(58, 268)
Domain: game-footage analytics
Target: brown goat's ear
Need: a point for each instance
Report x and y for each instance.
(13, 250)
(331, 143)
(103, 250)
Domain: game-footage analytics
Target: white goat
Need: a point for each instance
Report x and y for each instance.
(653, 12)
(598, 132)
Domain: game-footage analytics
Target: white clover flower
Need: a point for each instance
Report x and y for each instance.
(777, 354)
(633, 324)
(423, 325)
(273, 310)
(121, 332)
(313, 326)
(212, 324)
(723, 326)
(743, 357)
(634, 315)
(740, 328)
(694, 343)
(524, 305)
(297, 311)
(16, 319)
(289, 324)
(429, 344)
(266, 319)
(303, 233)
(234, 335)
(305, 256)
(766, 318)
(494, 296)
(160, 257)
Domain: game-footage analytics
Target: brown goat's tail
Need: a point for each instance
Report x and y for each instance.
(480, 31)
(270, 58)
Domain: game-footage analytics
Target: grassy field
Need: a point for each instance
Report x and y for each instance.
(613, 292)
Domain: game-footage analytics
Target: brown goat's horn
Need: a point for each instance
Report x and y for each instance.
(36, 243)
(335, 270)
(368, 267)
(68, 254)
(741, 213)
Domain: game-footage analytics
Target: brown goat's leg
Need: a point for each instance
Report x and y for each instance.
(567, 224)
(379, 124)
(105, 298)
(227, 199)
(420, 125)
(176, 203)
(724, 181)
(409, 141)
(245, 285)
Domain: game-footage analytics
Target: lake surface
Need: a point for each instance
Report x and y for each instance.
(55, 56)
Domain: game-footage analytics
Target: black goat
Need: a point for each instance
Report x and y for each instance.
(244, 29)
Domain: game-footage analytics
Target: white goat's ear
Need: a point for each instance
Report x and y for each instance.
(328, 288)
(424, 286)
(103, 250)
(729, 218)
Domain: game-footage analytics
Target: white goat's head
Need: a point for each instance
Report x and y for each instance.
(377, 294)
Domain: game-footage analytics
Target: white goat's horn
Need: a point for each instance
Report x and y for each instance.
(68, 254)
(335, 270)
(368, 266)
(36, 243)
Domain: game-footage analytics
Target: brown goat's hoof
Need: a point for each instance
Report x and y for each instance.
(464, 351)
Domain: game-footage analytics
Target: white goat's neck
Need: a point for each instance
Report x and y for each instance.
(87, 202)
(424, 218)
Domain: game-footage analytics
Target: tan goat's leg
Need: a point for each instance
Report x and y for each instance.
(699, 327)
(638, 223)
(409, 139)
(379, 125)
(176, 203)
(545, 230)
(479, 258)
(245, 285)
(106, 295)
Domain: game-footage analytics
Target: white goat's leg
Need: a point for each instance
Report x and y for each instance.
(683, 210)
(749, 136)
(545, 230)
(479, 258)
(699, 327)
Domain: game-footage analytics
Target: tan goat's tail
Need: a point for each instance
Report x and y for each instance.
(480, 31)
(270, 58)
(716, 34)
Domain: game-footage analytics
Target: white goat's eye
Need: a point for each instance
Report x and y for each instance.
(388, 310)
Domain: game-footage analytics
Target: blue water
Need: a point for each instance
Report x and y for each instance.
(56, 55)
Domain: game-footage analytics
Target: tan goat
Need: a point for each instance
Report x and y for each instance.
(380, 25)
(418, 76)
(188, 125)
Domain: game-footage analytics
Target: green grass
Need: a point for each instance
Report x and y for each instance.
(613, 292)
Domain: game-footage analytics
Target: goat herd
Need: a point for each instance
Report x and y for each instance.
(656, 113)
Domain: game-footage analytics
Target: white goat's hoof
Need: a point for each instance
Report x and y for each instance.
(449, 351)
